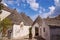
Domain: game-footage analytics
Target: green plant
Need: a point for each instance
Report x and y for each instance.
(30, 32)
(5, 24)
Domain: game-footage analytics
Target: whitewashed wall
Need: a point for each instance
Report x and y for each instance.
(4, 14)
(33, 29)
(19, 32)
(46, 34)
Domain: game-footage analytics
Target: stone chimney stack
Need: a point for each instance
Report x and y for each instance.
(21, 24)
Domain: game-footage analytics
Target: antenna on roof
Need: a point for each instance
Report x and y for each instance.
(14, 8)
(38, 15)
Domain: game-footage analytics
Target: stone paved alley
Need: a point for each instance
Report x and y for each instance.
(24, 38)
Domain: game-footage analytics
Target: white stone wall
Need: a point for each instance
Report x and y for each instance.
(33, 29)
(46, 34)
(19, 32)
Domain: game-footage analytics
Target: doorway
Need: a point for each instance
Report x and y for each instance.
(36, 31)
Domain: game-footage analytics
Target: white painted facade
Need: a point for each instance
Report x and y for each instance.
(50, 33)
(33, 29)
(20, 31)
(4, 14)
(46, 34)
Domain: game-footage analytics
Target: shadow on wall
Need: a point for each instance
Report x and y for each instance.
(40, 38)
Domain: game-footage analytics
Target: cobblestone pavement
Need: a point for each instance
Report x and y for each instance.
(24, 38)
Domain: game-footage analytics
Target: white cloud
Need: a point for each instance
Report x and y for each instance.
(7, 1)
(57, 2)
(4, 3)
(52, 8)
(45, 15)
(18, 4)
(41, 10)
(56, 12)
(31, 1)
(11, 2)
(33, 4)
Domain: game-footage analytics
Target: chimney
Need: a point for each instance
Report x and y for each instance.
(21, 24)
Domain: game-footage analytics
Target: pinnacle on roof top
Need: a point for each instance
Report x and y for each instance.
(14, 8)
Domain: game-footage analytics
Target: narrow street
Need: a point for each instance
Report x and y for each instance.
(24, 38)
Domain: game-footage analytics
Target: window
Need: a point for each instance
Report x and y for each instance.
(44, 29)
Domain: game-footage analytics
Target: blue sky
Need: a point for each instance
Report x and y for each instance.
(33, 8)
